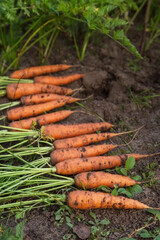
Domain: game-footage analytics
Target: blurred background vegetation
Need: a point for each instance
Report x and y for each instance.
(30, 23)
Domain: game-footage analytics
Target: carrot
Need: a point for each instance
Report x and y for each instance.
(81, 152)
(84, 140)
(38, 70)
(41, 120)
(42, 98)
(57, 131)
(17, 90)
(80, 199)
(90, 180)
(34, 110)
(60, 80)
(78, 165)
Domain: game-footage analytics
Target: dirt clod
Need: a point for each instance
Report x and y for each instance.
(82, 231)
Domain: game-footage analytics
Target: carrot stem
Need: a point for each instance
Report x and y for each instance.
(8, 105)
(2, 93)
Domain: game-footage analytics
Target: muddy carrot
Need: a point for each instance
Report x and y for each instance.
(57, 131)
(78, 165)
(42, 98)
(34, 110)
(41, 120)
(90, 180)
(17, 90)
(80, 152)
(84, 140)
(39, 70)
(60, 80)
(80, 199)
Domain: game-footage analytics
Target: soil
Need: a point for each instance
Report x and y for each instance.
(111, 86)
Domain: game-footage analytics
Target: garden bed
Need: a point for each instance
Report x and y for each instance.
(123, 93)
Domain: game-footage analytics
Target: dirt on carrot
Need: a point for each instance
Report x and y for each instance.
(38, 70)
(58, 131)
(17, 90)
(42, 98)
(85, 139)
(80, 199)
(78, 165)
(41, 120)
(89, 180)
(81, 152)
(34, 110)
(60, 80)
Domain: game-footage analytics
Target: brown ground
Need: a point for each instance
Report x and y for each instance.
(111, 81)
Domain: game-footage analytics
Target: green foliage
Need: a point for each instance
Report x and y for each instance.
(130, 163)
(145, 231)
(129, 191)
(34, 20)
(143, 99)
(153, 23)
(7, 233)
(148, 174)
(155, 212)
(69, 236)
(133, 64)
(119, 35)
(154, 233)
(79, 18)
(63, 214)
(98, 227)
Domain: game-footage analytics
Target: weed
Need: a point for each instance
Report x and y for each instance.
(148, 175)
(63, 214)
(129, 191)
(69, 236)
(99, 229)
(133, 64)
(7, 233)
(80, 217)
(144, 231)
(143, 99)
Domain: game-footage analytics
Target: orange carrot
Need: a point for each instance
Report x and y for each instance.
(57, 131)
(41, 120)
(80, 199)
(60, 80)
(78, 165)
(81, 152)
(34, 110)
(17, 90)
(42, 98)
(84, 140)
(90, 180)
(38, 70)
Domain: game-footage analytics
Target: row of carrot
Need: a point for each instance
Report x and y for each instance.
(71, 156)
(42, 96)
